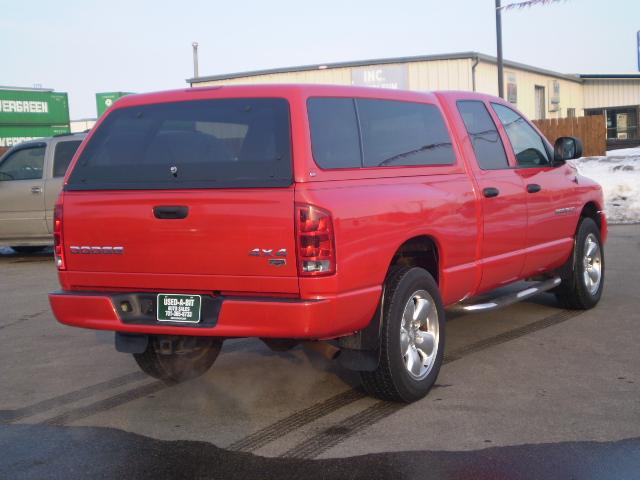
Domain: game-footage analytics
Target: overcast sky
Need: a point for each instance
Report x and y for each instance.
(84, 47)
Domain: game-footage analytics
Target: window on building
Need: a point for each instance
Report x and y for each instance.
(571, 112)
(62, 157)
(484, 135)
(23, 164)
(335, 139)
(528, 147)
(403, 133)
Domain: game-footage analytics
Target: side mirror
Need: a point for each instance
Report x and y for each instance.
(566, 148)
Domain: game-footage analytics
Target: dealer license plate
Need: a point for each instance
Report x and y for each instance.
(179, 308)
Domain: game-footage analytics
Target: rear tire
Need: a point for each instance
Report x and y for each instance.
(582, 285)
(27, 250)
(175, 359)
(411, 338)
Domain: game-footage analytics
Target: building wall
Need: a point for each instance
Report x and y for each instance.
(433, 75)
(82, 125)
(454, 74)
(440, 75)
(611, 93)
(570, 92)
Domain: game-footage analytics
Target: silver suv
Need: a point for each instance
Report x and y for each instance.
(31, 176)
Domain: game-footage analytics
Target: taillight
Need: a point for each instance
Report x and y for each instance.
(316, 248)
(58, 240)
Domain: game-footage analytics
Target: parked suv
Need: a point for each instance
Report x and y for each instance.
(343, 215)
(31, 176)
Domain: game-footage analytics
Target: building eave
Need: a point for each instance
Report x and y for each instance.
(384, 61)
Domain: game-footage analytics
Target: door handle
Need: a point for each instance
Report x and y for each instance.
(533, 188)
(491, 192)
(36, 190)
(170, 212)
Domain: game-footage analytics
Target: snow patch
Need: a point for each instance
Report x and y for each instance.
(619, 175)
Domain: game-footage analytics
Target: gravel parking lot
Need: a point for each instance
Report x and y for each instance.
(529, 391)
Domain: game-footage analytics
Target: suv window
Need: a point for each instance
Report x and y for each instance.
(335, 139)
(23, 164)
(528, 146)
(484, 135)
(222, 143)
(403, 133)
(62, 156)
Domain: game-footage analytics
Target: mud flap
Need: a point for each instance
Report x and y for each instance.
(131, 342)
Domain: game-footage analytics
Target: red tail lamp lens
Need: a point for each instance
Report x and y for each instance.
(316, 246)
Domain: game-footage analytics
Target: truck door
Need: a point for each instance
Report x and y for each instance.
(552, 205)
(503, 197)
(21, 194)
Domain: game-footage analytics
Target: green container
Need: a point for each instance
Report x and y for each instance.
(11, 135)
(26, 107)
(106, 99)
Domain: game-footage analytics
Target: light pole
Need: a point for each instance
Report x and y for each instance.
(195, 59)
(499, 41)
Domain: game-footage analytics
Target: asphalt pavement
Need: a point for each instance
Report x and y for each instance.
(531, 391)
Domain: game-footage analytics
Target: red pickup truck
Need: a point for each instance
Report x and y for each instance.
(343, 216)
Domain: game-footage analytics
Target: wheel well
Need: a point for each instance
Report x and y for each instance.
(590, 210)
(418, 252)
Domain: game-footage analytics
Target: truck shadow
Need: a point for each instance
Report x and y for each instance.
(33, 451)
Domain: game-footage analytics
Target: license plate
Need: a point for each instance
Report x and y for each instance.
(179, 308)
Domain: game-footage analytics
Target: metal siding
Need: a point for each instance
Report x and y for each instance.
(570, 92)
(611, 93)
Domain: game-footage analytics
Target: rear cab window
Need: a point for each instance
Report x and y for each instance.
(486, 141)
(362, 132)
(219, 143)
(63, 153)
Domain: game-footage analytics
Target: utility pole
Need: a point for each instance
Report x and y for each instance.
(195, 59)
(499, 41)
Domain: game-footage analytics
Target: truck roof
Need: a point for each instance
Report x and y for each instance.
(279, 90)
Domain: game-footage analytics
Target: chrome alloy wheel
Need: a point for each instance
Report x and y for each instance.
(419, 334)
(592, 263)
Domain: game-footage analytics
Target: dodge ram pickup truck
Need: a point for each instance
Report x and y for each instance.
(342, 216)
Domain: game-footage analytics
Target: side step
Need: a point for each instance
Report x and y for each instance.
(506, 300)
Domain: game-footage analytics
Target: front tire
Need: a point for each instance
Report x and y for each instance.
(411, 338)
(175, 359)
(582, 285)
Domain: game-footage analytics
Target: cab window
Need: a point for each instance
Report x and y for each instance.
(62, 157)
(528, 147)
(23, 164)
(486, 141)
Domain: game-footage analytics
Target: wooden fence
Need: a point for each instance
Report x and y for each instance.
(592, 130)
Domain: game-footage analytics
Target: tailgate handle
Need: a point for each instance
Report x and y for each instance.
(170, 212)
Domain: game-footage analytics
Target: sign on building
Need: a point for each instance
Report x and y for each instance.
(381, 76)
(512, 88)
(554, 98)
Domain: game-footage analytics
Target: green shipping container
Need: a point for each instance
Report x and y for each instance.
(11, 135)
(106, 99)
(18, 107)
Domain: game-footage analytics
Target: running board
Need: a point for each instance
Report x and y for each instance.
(510, 299)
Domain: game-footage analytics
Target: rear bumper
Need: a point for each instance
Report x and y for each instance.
(326, 317)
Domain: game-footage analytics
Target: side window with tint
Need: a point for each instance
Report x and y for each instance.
(486, 141)
(528, 146)
(23, 164)
(62, 157)
(403, 133)
(335, 140)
